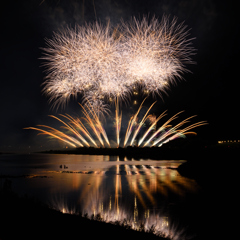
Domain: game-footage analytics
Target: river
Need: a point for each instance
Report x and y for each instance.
(139, 193)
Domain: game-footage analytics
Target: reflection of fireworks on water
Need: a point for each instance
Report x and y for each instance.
(137, 211)
(103, 63)
(89, 131)
(60, 204)
(152, 222)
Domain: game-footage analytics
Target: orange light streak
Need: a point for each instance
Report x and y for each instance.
(140, 124)
(72, 129)
(165, 133)
(118, 121)
(53, 135)
(150, 128)
(162, 127)
(131, 122)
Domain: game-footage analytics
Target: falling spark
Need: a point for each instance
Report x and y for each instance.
(151, 127)
(161, 128)
(56, 134)
(118, 122)
(76, 127)
(140, 124)
(94, 121)
(131, 122)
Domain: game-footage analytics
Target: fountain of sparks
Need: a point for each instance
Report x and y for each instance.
(76, 134)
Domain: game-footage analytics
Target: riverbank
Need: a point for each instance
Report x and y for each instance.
(210, 167)
(22, 217)
(154, 153)
(210, 152)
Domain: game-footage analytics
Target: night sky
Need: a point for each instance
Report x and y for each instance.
(210, 90)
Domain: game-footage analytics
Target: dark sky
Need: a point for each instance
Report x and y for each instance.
(210, 91)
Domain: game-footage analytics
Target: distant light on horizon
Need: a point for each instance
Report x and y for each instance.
(228, 141)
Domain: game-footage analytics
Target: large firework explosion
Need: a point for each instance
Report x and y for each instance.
(105, 64)
(102, 63)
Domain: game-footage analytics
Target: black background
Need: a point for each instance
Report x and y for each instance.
(210, 90)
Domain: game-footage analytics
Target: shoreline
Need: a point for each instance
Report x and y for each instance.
(157, 153)
(204, 164)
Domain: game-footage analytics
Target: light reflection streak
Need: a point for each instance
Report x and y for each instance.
(143, 183)
(118, 188)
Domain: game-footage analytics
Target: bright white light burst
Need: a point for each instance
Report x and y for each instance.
(103, 63)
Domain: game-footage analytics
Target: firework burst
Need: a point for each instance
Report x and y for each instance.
(105, 64)
(155, 52)
(102, 63)
(84, 60)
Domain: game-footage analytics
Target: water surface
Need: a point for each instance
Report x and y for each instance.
(136, 192)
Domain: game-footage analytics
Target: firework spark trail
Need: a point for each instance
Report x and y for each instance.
(79, 125)
(56, 134)
(141, 124)
(162, 128)
(171, 131)
(79, 128)
(61, 134)
(181, 133)
(151, 127)
(165, 133)
(118, 121)
(102, 63)
(71, 128)
(96, 125)
(131, 123)
(92, 124)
